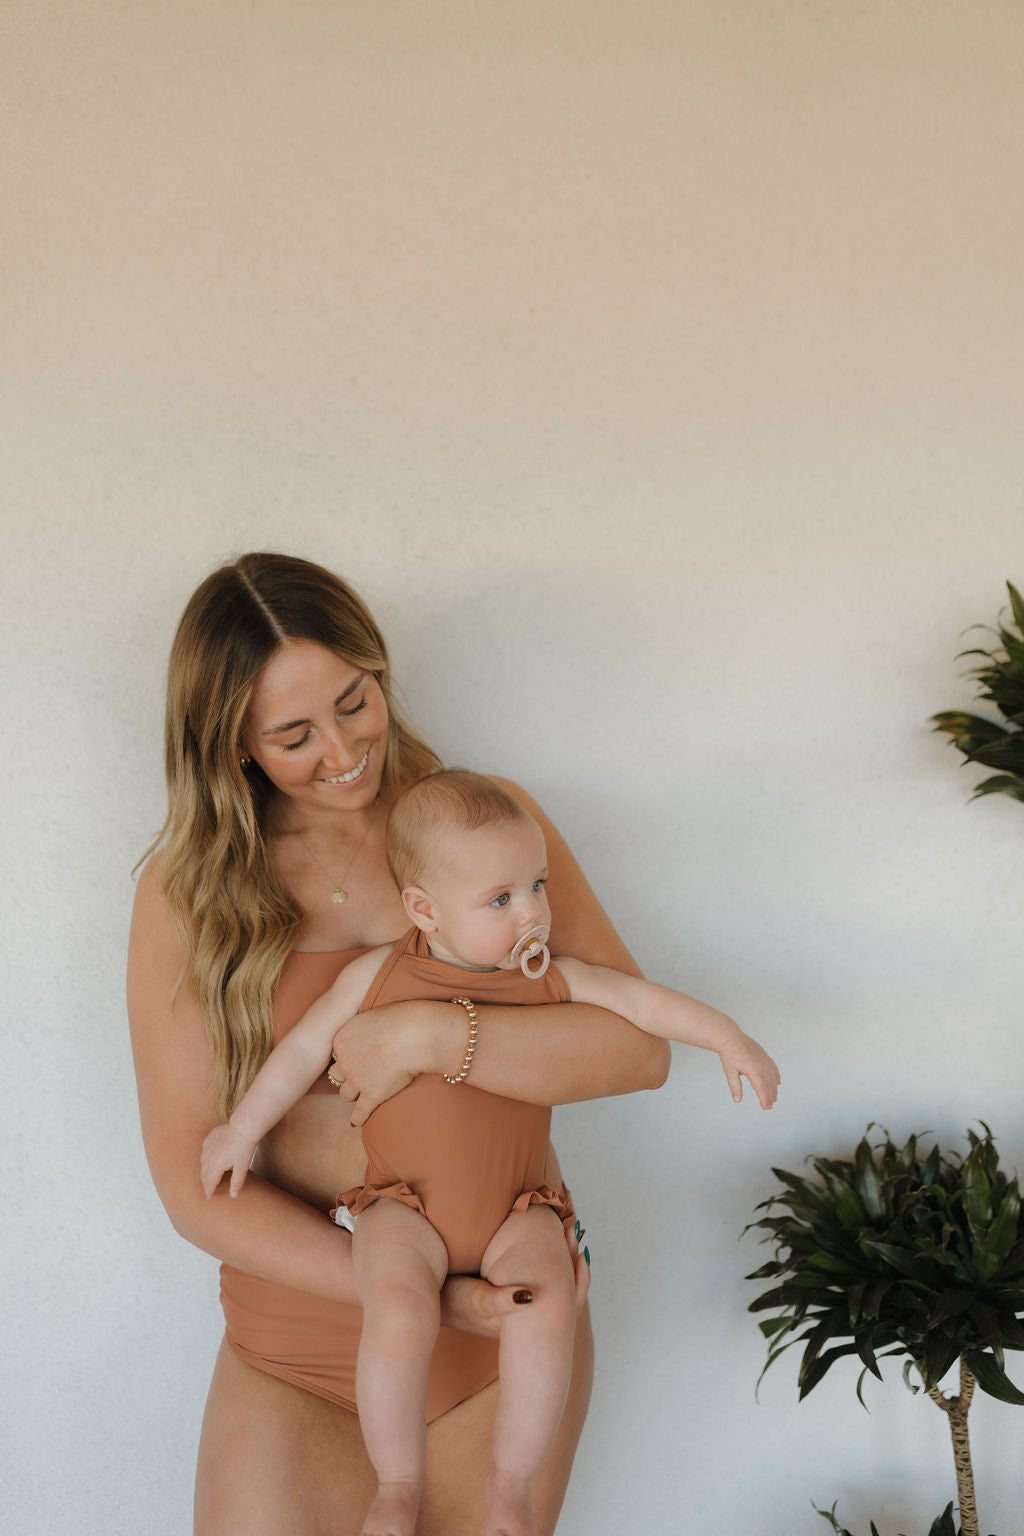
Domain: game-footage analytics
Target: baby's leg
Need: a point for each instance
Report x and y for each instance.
(535, 1360)
(400, 1264)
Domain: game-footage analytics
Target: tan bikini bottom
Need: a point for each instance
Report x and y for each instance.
(312, 1342)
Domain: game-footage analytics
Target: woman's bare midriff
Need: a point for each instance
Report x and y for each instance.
(314, 1151)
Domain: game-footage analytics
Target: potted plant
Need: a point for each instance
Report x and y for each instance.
(1001, 682)
(892, 1253)
(943, 1526)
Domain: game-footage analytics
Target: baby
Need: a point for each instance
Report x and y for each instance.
(455, 1180)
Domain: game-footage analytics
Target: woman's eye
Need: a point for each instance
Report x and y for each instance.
(293, 746)
(356, 708)
(501, 901)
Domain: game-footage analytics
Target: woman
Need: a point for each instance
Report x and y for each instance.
(284, 751)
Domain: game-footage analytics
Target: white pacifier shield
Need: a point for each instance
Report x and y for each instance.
(532, 946)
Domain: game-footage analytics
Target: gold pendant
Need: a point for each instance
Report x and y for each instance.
(338, 895)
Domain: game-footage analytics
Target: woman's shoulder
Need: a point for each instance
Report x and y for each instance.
(558, 849)
(150, 896)
(579, 926)
(155, 941)
(517, 792)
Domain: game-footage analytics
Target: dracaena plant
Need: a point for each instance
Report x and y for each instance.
(942, 1526)
(895, 1253)
(1000, 676)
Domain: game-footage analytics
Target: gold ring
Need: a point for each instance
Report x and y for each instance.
(332, 1079)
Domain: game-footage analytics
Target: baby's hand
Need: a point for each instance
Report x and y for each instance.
(743, 1057)
(224, 1149)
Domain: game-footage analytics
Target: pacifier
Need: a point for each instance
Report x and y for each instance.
(532, 946)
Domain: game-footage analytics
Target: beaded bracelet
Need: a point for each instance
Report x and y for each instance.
(470, 1043)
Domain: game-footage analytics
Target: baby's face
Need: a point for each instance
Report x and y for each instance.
(487, 891)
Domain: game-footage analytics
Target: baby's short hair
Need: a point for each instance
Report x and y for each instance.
(449, 800)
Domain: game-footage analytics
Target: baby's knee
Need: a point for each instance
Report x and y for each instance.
(399, 1318)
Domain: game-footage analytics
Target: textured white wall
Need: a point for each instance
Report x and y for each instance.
(654, 369)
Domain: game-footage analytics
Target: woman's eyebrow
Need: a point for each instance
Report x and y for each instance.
(290, 725)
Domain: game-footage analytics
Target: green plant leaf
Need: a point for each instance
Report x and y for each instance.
(869, 1186)
(951, 1303)
(906, 1261)
(1001, 784)
(977, 1194)
(848, 1210)
(987, 1321)
(991, 1379)
(999, 676)
(1014, 648)
(830, 1516)
(943, 1526)
(1007, 754)
(968, 731)
(939, 1354)
(822, 1365)
(830, 1262)
(770, 1326)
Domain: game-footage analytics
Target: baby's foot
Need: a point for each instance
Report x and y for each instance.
(509, 1511)
(393, 1511)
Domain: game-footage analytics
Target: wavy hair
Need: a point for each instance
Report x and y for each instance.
(236, 919)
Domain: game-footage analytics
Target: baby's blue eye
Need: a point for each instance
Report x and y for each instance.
(502, 900)
(538, 883)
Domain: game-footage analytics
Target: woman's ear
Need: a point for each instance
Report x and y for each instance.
(420, 907)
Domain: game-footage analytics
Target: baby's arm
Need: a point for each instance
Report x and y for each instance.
(661, 1011)
(291, 1068)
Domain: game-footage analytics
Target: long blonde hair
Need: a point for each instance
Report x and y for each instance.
(236, 919)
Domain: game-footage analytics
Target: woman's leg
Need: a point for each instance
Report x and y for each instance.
(535, 1361)
(400, 1266)
(275, 1458)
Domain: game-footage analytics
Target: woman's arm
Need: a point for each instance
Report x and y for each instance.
(550, 1054)
(265, 1231)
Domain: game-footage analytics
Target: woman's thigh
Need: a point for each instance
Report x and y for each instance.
(274, 1458)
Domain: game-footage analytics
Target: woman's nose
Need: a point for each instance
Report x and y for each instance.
(338, 752)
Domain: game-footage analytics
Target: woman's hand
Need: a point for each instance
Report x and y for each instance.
(474, 1306)
(378, 1053)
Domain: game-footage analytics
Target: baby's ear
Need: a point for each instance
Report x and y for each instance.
(420, 907)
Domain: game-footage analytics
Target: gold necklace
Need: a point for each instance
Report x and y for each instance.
(339, 894)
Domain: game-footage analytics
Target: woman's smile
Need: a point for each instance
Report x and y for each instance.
(354, 774)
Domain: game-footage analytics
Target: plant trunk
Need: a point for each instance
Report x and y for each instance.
(955, 1408)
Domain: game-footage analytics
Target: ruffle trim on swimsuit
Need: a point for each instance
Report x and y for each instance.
(357, 1199)
(560, 1202)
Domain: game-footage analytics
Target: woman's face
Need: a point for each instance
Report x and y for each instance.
(318, 727)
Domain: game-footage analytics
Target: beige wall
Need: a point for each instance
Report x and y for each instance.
(654, 369)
